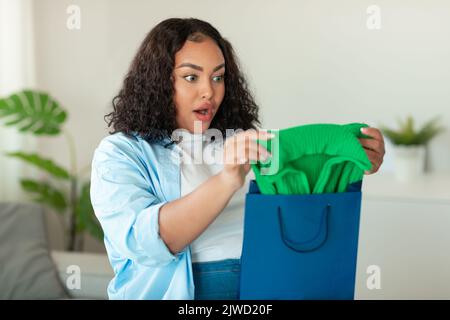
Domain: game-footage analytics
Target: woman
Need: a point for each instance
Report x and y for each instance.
(173, 228)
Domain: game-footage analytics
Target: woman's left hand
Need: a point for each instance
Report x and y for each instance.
(374, 148)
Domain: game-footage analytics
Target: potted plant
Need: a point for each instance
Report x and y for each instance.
(66, 192)
(410, 146)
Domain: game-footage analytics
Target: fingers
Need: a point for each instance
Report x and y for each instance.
(375, 159)
(243, 147)
(373, 132)
(253, 134)
(251, 152)
(374, 145)
(374, 148)
(258, 153)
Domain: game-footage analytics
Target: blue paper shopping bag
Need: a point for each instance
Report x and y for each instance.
(300, 246)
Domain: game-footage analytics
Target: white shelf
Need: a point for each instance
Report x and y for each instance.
(404, 231)
(429, 187)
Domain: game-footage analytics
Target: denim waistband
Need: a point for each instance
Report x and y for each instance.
(217, 279)
(215, 266)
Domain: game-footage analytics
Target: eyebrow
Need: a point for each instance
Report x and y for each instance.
(196, 67)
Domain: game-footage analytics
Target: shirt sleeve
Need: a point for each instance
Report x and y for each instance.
(125, 206)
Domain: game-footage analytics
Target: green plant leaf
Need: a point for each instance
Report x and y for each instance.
(86, 216)
(45, 194)
(33, 111)
(407, 135)
(430, 130)
(44, 164)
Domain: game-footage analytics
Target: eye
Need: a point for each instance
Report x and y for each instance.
(218, 78)
(190, 78)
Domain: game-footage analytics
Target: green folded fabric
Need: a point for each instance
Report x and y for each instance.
(315, 158)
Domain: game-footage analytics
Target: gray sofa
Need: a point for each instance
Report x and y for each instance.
(30, 270)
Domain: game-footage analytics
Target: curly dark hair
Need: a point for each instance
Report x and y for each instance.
(145, 103)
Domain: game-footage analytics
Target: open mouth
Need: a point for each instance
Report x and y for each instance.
(204, 112)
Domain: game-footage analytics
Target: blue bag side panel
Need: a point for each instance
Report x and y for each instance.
(272, 270)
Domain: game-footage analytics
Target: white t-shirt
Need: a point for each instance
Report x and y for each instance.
(223, 237)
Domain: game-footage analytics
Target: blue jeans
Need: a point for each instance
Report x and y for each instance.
(217, 280)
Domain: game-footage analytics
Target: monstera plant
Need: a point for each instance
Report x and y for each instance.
(37, 113)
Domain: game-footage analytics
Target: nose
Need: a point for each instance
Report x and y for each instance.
(207, 91)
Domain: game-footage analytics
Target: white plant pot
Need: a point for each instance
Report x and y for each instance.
(409, 162)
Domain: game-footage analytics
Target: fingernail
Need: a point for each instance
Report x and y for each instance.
(363, 130)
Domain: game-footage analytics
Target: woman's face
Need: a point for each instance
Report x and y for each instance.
(199, 83)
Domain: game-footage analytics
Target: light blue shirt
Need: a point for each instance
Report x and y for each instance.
(131, 179)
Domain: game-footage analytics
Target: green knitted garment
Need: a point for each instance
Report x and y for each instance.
(316, 158)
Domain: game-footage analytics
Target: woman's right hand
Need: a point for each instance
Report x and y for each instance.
(240, 150)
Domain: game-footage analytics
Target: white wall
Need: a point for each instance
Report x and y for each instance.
(16, 71)
(307, 61)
